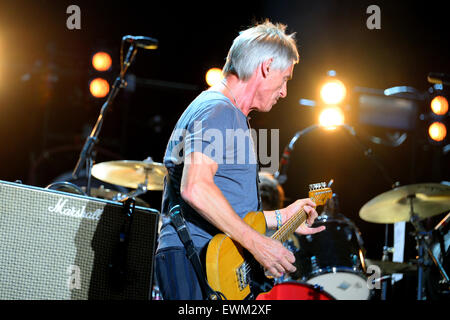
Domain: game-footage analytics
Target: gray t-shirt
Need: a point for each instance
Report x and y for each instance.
(211, 124)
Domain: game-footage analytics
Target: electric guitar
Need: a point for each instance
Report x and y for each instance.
(233, 271)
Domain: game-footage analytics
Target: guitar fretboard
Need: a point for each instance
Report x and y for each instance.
(290, 226)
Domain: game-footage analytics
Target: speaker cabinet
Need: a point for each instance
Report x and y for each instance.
(61, 246)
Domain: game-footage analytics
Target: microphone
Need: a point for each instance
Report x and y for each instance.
(142, 42)
(439, 78)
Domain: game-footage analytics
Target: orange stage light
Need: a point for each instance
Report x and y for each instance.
(331, 117)
(333, 91)
(99, 87)
(101, 61)
(439, 105)
(437, 131)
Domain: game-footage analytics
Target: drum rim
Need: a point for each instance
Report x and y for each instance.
(340, 269)
(320, 220)
(344, 220)
(346, 270)
(309, 285)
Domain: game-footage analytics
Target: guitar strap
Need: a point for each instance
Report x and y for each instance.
(258, 166)
(177, 220)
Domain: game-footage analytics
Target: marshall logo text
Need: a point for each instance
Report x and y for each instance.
(61, 208)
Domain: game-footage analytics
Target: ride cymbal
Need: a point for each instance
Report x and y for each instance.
(428, 199)
(131, 174)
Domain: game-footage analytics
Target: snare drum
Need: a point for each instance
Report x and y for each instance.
(295, 291)
(334, 259)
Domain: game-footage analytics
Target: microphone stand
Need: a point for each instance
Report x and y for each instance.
(86, 155)
(280, 175)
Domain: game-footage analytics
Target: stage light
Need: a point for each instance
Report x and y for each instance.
(101, 61)
(439, 105)
(333, 91)
(99, 87)
(331, 117)
(213, 76)
(437, 131)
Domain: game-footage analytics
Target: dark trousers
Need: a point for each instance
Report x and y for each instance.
(176, 276)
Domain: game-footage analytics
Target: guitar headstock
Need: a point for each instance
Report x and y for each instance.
(320, 193)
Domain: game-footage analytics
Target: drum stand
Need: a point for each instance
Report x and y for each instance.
(422, 238)
(385, 257)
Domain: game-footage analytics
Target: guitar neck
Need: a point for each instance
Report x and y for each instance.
(290, 226)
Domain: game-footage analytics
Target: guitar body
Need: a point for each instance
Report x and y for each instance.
(227, 263)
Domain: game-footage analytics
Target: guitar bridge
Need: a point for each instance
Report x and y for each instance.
(242, 275)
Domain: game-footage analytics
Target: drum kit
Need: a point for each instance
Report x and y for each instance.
(332, 263)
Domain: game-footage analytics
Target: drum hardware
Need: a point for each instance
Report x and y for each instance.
(108, 194)
(382, 279)
(412, 203)
(66, 186)
(386, 251)
(423, 238)
(385, 258)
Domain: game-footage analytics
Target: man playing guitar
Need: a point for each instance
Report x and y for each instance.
(215, 189)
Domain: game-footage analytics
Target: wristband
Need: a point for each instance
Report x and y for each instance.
(278, 216)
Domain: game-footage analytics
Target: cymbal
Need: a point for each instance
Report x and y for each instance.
(131, 174)
(388, 267)
(108, 194)
(429, 199)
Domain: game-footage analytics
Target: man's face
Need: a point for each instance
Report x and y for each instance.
(273, 87)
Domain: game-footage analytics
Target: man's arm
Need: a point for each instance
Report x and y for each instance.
(200, 192)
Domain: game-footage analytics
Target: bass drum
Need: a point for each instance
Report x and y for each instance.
(334, 259)
(295, 291)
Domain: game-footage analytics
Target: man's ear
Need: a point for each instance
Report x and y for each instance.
(266, 67)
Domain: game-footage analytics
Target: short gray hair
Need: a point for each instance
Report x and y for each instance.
(257, 44)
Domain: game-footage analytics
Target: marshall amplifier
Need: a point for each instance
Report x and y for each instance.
(61, 246)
